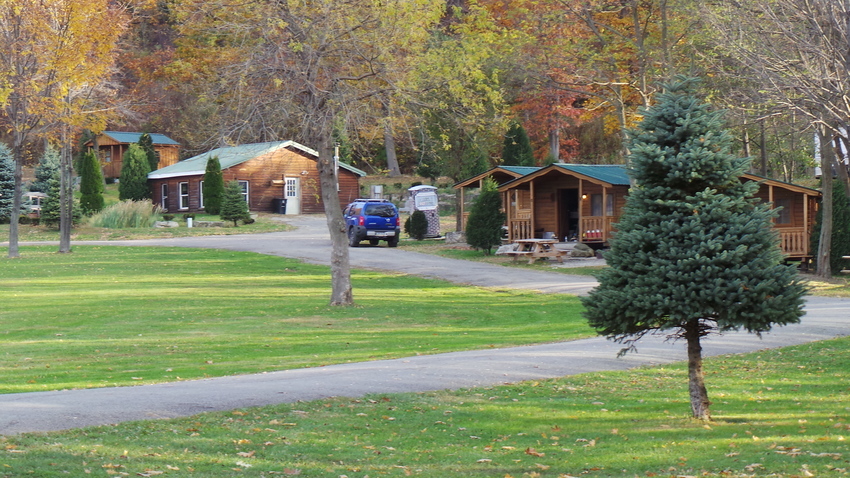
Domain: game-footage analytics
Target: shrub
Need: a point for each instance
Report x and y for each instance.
(213, 186)
(127, 214)
(484, 226)
(91, 184)
(233, 205)
(418, 225)
(188, 216)
(133, 183)
(168, 217)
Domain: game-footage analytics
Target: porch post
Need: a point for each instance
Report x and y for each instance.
(531, 221)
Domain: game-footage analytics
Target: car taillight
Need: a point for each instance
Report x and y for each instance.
(361, 221)
(397, 223)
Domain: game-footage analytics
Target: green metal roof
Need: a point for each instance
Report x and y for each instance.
(615, 174)
(230, 156)
(123, 137)
(522, 170)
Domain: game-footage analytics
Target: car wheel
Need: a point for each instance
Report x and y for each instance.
(352, 238)
(393, 242)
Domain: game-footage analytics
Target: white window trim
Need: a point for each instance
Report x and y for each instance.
(246, 190)
(201, 194)
(163, 193)
(181, 196)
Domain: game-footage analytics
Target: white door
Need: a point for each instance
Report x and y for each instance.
(292, 193)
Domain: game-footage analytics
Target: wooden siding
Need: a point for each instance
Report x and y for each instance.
(111, 154)
(265, 175)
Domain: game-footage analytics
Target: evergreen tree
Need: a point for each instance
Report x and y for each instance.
(517, 150)
(91, 184)
(213, 186)
(133, 181)
(50, 215)
(233, 206)
(7, 183)
(47, 166)
(418, 225)
(840, 229)
(694, 253)
(146, 143)
(484, 226)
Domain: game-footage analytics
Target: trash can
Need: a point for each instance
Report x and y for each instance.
(279, 205)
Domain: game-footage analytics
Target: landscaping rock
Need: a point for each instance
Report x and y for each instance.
(166, 224)
(506, 249)
(582, 250)
(208, 224)
(456, 237)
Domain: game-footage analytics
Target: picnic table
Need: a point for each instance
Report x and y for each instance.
(535, 249)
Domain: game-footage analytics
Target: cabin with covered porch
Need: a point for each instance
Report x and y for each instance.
(500, 174)
(580, 202)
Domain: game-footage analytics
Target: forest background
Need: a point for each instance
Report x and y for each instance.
(428, 87)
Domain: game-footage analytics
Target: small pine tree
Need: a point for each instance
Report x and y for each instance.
(516, 150)
(50, 216)
(233, 205)
(133, 181)
(694, 252)
(47, 166)
(486, 219)
(213, 186)
(146, 143)
(7, 183)
(840, 229)
(91, 184)
(418, 225)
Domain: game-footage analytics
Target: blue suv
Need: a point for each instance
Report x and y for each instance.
(372, 219)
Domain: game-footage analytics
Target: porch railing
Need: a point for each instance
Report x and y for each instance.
(794, 242)
(596, 228)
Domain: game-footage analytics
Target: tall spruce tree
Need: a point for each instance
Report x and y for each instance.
(133, 181)
(146, 143)
(50, 213)
(91, 184)
(213, 186)
(233, 205)
(516, 149)
(47, 166)
(694, 253)
(484, 226)
(7, 183)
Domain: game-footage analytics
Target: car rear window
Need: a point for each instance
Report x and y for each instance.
(380, 210)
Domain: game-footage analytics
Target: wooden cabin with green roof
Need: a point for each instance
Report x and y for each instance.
(279, 177)
(111, 146)
(582, 202)
(500, 174)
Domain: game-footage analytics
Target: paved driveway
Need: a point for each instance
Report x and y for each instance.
(45, 411)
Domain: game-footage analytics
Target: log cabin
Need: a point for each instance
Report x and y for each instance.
(579, 202)
(500, 174)
(279, 177)
(111, 146)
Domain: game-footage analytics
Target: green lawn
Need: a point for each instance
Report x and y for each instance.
(780, 413)
(105, 316)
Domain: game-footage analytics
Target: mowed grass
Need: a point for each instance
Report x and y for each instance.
(107, 316)
(779, 413)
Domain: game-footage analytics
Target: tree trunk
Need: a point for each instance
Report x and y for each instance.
(555, 144)
(696, 380)
(825, 241)
(18, 157)
(389, 144)
(340, 266)
(66, 194)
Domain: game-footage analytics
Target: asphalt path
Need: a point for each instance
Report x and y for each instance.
(47, 411)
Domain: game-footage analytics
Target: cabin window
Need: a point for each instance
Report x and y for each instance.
(163, 200)
(201, 194)
(244, 186)
(784, 216)
(107, 156)
(609, 205)
(184, 195)
(595, 204)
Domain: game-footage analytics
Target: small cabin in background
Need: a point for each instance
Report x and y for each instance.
(111, 146)
(582, 202)
(500, 174)
(279, 177)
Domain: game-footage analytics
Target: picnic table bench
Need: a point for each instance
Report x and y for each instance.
(535, 249)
